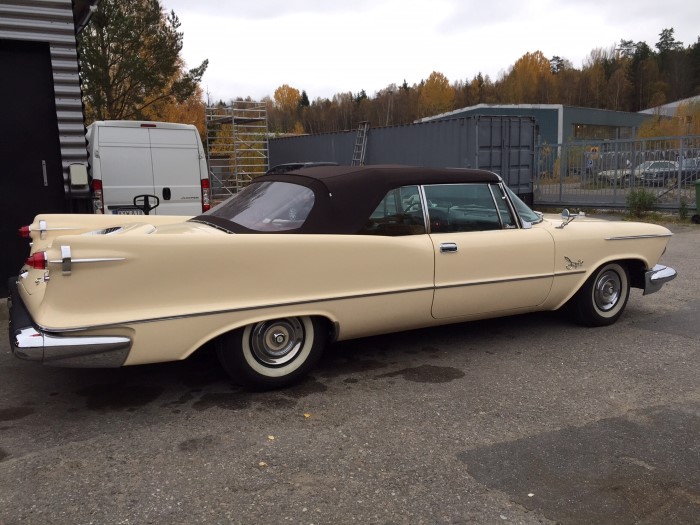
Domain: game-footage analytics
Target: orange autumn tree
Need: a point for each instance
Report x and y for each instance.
(436, 95)
(285, 115)
(530, 80)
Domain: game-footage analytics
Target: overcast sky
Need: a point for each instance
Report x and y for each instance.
(327, 46)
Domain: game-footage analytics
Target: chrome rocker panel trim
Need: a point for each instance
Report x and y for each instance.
(655, 278)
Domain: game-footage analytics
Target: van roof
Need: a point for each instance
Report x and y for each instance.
(140, 124)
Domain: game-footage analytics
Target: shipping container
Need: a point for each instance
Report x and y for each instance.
(502, 144)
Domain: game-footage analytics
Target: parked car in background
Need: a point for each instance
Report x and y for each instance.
(290, 166)
(656, 172)
(300, 259)
(664, 172)
(615, 176)
(690, 168)
(648, 172)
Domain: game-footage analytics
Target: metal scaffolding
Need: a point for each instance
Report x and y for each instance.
(237, 149)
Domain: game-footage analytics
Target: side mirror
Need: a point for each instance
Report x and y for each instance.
(78, 175)
(567, 217)
(146, 203)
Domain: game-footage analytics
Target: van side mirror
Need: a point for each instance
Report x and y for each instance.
(78, 175)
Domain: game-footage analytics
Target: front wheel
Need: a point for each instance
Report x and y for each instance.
(272, 354)
(603, 297)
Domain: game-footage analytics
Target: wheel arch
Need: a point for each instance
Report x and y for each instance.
(636, 266)
(273, 353)
(331, 327)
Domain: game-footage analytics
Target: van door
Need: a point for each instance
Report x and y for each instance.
(176, 171)
(125, 165)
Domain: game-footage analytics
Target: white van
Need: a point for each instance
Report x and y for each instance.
(130, 158)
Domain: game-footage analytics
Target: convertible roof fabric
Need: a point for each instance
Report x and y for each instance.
(345, 196)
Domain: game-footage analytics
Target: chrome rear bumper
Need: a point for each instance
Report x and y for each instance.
(29, 342)
(655, 278)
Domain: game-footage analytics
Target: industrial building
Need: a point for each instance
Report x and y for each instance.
(43, 131)
(558, 123)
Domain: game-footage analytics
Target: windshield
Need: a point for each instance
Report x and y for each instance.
(523, 209)
(267, 206)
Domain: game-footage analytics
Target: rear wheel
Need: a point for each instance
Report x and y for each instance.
(603, 297)
(272, 354)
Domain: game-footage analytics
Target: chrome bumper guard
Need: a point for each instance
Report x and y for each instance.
(655, 278)
(34, 344)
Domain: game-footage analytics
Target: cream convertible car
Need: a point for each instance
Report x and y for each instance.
(316, 255)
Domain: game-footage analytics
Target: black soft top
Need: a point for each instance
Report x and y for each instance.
(345, 196)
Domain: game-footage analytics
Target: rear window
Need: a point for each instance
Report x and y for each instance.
(268, 206)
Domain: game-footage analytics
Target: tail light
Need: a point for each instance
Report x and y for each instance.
(37, 261)
(206, 195)
(98, 205)
(24, 231)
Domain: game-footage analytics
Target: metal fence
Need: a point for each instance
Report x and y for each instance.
(604, 173)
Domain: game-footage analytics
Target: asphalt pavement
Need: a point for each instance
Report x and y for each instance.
(527, 419)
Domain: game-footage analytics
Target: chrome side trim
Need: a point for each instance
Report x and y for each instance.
(557, 274)
(632, 237)
(89, 260)
(499, 281)
(234, 310)
(305, 302)
(43, 228)
(655, 278)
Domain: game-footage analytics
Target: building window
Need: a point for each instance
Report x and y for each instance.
(600, 132)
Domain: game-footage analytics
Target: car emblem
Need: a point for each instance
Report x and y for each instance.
(571, 265)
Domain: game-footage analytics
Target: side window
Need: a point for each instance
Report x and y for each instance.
(462, 208)
(399, 213)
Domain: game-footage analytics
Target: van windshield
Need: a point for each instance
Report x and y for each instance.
(267, 206)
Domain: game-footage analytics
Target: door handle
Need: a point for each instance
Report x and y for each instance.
(448, 247)
(166, 194)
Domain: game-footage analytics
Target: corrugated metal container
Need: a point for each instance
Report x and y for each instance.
(52, 21)
(502, 144)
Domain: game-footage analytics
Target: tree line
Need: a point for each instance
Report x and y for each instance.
(131, 68)
(630, 76)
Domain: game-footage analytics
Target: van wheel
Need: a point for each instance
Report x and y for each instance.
(603, 297)
(272, 354)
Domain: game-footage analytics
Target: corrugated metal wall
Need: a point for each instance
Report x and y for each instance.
(502, 144)
(52, 21)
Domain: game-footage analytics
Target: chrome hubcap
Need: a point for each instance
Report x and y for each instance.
(607, 291)
(275, 343)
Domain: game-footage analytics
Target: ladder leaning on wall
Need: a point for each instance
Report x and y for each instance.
(358, 153)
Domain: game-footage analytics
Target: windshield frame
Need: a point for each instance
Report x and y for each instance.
(526, 214)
